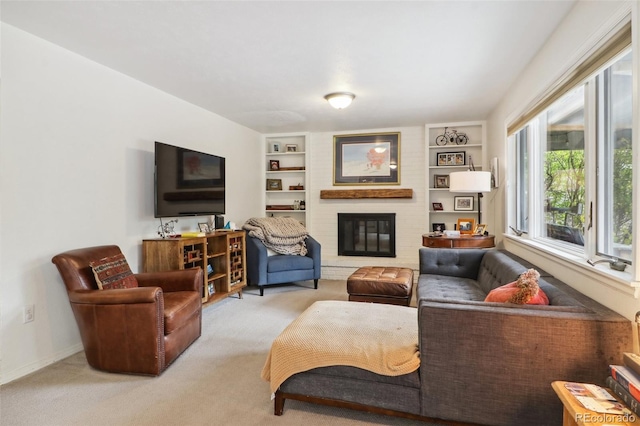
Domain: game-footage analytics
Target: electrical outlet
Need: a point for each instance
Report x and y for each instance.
(29, 313)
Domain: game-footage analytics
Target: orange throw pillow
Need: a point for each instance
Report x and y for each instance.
(113, 273)
(523, 291)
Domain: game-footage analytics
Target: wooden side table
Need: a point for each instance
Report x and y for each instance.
(462, 241)
(574, 414)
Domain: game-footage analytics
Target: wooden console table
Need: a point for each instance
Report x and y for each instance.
(463, 241)
(574, 414)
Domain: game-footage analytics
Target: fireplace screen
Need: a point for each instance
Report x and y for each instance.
(367, 234)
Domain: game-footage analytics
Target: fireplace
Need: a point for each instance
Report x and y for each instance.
(367, 234)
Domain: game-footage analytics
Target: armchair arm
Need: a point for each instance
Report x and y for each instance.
(122, 330)
(256, 261)
(179, 280)
(313, 251)
(115, 297)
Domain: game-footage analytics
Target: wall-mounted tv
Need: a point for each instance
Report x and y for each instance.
(187, 182)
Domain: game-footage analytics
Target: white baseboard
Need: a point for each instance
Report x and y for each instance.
(41, 363)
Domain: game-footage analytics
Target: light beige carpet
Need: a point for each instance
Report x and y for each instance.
(216, 381)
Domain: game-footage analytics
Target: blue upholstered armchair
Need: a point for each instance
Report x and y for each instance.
(263, 270)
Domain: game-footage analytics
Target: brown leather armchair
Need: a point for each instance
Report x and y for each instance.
(135, 330)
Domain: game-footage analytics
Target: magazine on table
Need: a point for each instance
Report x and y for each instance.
(596, 398)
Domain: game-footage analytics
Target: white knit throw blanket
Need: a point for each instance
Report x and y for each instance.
(284, 235)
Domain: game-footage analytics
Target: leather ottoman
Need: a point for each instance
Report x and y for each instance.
(379, 284)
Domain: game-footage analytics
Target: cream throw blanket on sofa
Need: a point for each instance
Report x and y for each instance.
(375, 337)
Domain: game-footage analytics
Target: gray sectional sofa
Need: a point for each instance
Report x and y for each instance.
(481, 363)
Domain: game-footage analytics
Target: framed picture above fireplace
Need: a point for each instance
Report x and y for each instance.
(366, 159)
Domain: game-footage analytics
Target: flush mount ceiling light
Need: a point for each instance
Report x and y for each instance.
(340, 100)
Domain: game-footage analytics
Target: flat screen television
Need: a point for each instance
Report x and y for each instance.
(187, 182)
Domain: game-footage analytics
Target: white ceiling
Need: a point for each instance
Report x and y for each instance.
(268, 64)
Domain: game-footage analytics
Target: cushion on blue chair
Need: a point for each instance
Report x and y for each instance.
(288, 262)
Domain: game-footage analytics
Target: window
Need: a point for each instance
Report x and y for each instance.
(573, 186)
(522, 180)
(563, 169)
(615, 169)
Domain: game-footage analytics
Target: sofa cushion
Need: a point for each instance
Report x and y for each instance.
(523, 291)
(497, 269)
(113, 272)
(286, 262)
(449, 288)
(179, 306)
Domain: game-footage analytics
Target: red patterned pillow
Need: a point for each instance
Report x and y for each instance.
(523, 291)
(113, 272)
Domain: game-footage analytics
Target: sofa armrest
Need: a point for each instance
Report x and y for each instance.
(451, 262)
(314, 252)
(477, 355)
(179, 280)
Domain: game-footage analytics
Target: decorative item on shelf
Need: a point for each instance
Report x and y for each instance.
(279, 207)
(296, 204)
(466, 226)
(211, 289)
(480, 229)
(274, 147)
(193, 255)
(438, 227)
(463, 203)
(297, 187)
(456, 158)
(167, 230)
(452, 137)
(303, 205)
(441, 181)
(274, 165)
(292, 147)
(204, 227)
(437, 206)
(274, 184)
(366, 159)
(209, 269)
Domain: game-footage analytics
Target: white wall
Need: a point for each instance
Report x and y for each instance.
(584, 25)
(76, 169)
(410, 213)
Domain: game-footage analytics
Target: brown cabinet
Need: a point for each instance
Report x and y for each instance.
(220, 254)
(463, 241)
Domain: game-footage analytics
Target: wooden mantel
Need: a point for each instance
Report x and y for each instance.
(349, 194)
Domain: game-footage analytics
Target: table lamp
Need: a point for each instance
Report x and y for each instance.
(471, 181)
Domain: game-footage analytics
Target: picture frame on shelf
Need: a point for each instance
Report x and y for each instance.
(204, 227)
(441, 181)
(438, 227)
(454, 158)
(480, 229)
(274, 165)
(463, 203)
(291, 147)
(437, 206)
(366, 159)
(466, 226)
(274, 184)
(274, 147)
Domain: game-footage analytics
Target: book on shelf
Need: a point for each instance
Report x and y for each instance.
(627, 378)
(624, 395)
(192, 234)
(596, 398)
(632, 360)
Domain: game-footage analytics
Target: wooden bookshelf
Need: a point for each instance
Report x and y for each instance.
(220, 254)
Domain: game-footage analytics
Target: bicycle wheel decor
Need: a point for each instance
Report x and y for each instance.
(452, 137)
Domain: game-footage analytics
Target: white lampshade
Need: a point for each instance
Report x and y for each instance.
(470, 181)
(340, 100)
